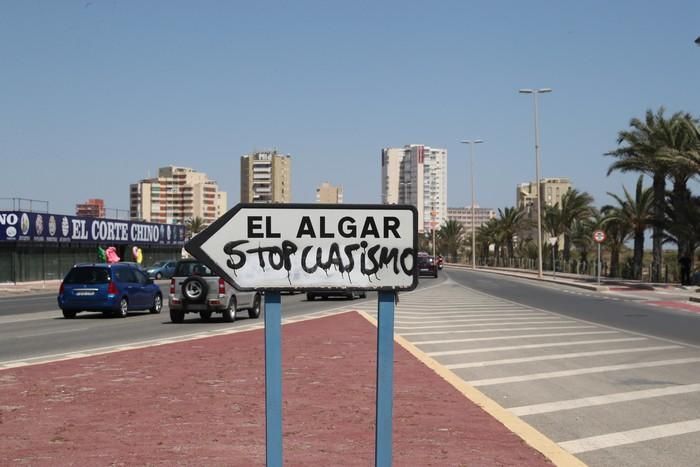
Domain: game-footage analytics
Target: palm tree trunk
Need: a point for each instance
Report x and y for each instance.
(659, 216)
(567, 247)
(638, 254)
(614, 261)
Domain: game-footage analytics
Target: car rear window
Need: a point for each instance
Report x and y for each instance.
(87, 275)
(192, 268)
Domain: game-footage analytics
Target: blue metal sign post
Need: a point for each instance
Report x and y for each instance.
(273, 379)
(385, 378)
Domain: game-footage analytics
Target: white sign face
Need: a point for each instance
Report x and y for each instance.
(311, 247)
(552, 241)
(599, 236)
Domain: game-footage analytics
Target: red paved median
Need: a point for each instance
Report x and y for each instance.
(201, 402)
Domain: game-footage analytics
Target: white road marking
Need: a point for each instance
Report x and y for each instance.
(427, 320)
(532, 346)
(482, 321)
(534, 328)
(621, 438)
(603, 400)
(581, 371)
(514, 336)
(507, 361)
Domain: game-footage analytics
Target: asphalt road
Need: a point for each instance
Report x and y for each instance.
(32, 327)
(628, 314)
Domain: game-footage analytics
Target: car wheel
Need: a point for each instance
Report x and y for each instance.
(69, 314)
(123, 308)
(363, 295)
(157, 304)
(229, 313)
(310, 297)
(159, 275)
(254, 311)
(177, 316)
(205, 315)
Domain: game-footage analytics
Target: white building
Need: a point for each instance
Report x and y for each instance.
(417, 175)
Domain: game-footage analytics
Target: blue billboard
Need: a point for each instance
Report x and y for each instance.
(21, 226)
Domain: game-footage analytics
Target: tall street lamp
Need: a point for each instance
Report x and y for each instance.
(534, 93)
(471, 144)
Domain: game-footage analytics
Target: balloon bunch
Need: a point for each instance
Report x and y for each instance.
(138, 254)
(112, 256)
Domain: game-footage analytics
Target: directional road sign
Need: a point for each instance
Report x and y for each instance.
(312, 246)
(599, 236)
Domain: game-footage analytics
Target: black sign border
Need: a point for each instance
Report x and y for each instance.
(194, 246)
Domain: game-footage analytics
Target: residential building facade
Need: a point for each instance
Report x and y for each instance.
(266, 177)
(464, 217)
(417, 175)
(93, 207)
(329, 194)
(551, 191)
(176, 195)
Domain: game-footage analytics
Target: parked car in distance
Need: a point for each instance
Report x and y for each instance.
(114, 289)
(161, 269)
(194, 288)
(427, 266)
(326, 294)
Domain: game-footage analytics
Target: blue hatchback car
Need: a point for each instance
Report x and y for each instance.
(113, 289)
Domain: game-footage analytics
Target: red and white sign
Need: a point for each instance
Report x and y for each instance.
(599, 236)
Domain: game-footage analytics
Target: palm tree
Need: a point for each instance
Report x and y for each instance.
(574, 205)
(194, 225)
(616, 232)
(643, 152)
(450, 236)
(552, 222)
(637, 214)
(511, 221)
(488, 234)
(682, 153)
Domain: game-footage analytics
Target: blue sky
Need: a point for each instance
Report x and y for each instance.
(97, 94)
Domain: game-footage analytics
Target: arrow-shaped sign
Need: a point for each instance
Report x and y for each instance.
(311, 246)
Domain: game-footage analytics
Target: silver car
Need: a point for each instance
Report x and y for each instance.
(194, 288)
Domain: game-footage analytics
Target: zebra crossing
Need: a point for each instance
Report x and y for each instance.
(608, 396)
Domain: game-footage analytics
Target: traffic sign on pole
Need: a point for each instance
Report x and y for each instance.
(296, 247)
(299, 247)
(599, 236)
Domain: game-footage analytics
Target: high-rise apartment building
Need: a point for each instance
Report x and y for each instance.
(417, 175)
(176, 195)
(551, 191)
(266, 177)
(464, 217)
(93, 207)
(329, 194)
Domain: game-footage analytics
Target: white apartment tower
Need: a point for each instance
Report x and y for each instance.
(417, 175)
(176, 195)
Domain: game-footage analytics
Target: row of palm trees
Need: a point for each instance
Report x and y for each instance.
(666, 149)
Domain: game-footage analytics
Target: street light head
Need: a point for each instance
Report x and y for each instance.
(477, 141)
(525, 91)
(543, 90)
(697, 41)
(470, 141)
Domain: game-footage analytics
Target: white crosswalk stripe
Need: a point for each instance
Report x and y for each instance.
(462, 326)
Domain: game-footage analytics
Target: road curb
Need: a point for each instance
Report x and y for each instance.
(547, 447)
(594, 288)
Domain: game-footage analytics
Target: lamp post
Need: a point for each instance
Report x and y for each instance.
(471, 144)
(534, 93)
